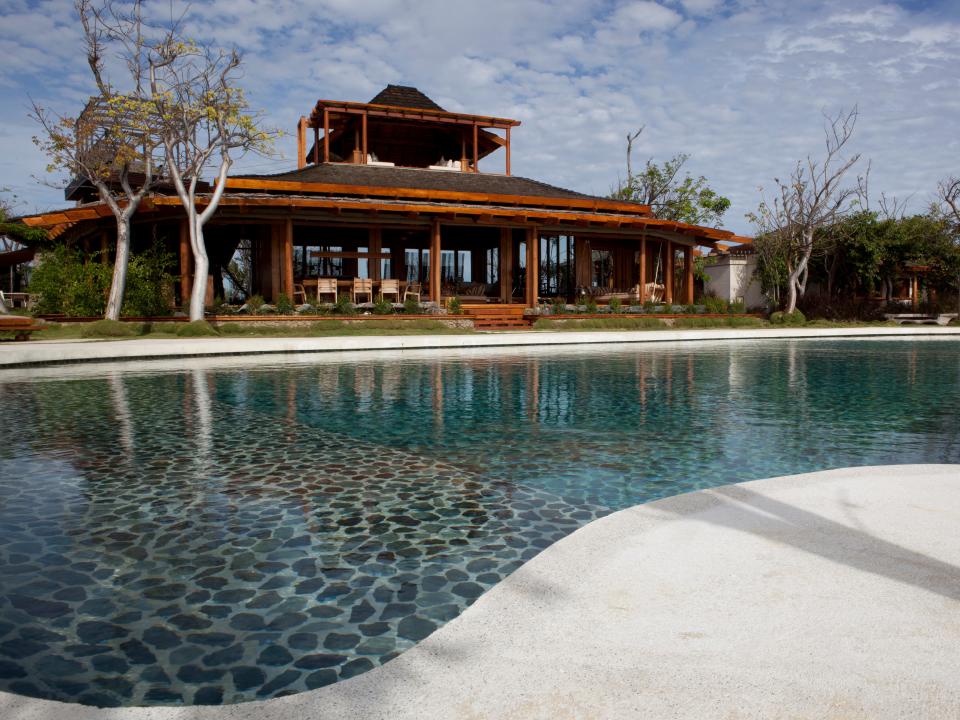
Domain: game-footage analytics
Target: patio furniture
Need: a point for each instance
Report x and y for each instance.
(390, 287)
(414, 289)
(21, 326)
(654, 292)
(299, 292)
(361, 286)
(327, 286)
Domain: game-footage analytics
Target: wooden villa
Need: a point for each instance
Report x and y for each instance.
(392, 189)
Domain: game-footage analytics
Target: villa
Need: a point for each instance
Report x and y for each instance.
(382, 189)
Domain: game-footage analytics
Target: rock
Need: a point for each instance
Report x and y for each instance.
(138, 653)
(341, 641)
(320, 678)
(208, 696)
(355, 667)
(161, 638)
(246, 677)
(226, 656)
(275, 655)
(287, 677)
(415, 628)
(319, 660)
(38, 608)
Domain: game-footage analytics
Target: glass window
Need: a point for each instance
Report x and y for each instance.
(363, 265)
(386, 270)
(493, 265)
(448, 270)
(557, 270)
(464, 263)
(602, 268)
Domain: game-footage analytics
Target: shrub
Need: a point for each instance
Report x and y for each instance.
(197, 328)
(714, 304)
(254, 303)
(792, 319)
(149, 290)
(343, 306)
(284, 305)
(717, 322)
(411, 306)
(382, 306)
(67, 283)
(558, 306)
(454, 306)
(591, 306)
(110, 329)
(737, 308)
(615, 304)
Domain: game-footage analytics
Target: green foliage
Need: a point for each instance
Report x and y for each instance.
(737, 308)
(254, 303)
(149, 291)
(615, 305)
(794, 319)
(382, 306)
(703, 322)
(284, 305)
(558, 306)
(611, 323)
(197, 328)
(411, 306)
(454, 306)
(591, 306)
(343, 306)
(672, 196)
(110, 329)
(15, 230)
(68, 283)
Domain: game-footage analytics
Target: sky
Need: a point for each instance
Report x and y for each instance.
(740, 85)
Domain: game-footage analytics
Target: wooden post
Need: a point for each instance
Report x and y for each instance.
(643, 269)
(435, 261)
(476, 150)
(668, 272)
(915, 290)
(688, 275)
(363, 133)
(316, 146)
(533, 266)
(464, 163)
(278, 231)
(376, 248)
(506, 265)
(186, 258)
(326, 135)
(288, 259)
(301, 142)
(508, 150)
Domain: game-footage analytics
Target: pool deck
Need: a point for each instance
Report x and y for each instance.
(827, 595)
(36, 352)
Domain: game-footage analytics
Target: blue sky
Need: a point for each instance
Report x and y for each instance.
(739, 85)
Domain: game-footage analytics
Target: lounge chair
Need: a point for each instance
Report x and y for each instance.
(299, 292)
(414, 290)
(327, 286)
(390, 287)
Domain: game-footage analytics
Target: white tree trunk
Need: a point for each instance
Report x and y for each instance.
(118, 285)
(201, 264)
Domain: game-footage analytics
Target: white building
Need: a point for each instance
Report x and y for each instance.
(732, 277)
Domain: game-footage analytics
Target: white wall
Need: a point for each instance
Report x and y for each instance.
(731, 278)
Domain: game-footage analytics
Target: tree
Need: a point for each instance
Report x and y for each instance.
(111, 143)
(810, 199)
(670, 195)
(203, 122)
(13, 235)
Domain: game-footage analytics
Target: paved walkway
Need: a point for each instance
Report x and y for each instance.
(828, 595)
(62, 351)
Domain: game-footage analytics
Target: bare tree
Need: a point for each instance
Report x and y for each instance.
(111, 144)
(631, 138)
(949, 195)
(204, 123)
(811, 198)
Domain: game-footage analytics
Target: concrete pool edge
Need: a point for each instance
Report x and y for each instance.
(832, 593)
(53, 352)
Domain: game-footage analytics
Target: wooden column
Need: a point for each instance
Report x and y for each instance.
(363, 135)
(476, 150)
(506, 265)
(687, 275)
(533, 266)
(326, 135)
(186, 260)
(508, 150)
(288, 259)
(464, 163)
(301, 142)
(376, 247)
(278, 232)
(316, 146)
(435, 262)
(105, 248)
(668, 272)
(915, 290)
(643, 269)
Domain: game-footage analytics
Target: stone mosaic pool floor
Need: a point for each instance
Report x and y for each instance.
(217, 537)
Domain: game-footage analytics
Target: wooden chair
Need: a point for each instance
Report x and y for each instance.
(327, 286)
(390, 287)
(414, 289)
(361, 286)
(299, 292)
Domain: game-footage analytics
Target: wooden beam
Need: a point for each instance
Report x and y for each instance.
(363, 135)
(375, 244)
(316, 146)
(288, 259)
(506, 265)
(668, 272)
(643, 269)
(688, 275)
(186, 258)
(301, 142)
(476, 159)
(508, 151)
(533, 266)
(435, 261)
(326, 135)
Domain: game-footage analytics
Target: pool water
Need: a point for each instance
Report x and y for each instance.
(207, 536)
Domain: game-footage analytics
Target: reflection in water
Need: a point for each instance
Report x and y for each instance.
(216, 536)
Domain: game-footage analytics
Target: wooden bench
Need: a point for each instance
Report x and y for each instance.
(19, 325)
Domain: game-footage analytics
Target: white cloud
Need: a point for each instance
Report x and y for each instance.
(739, 85)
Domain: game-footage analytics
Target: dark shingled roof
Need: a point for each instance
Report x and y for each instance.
(396, 177)
(404, 96)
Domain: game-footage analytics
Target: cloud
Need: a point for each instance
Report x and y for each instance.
(739, 85)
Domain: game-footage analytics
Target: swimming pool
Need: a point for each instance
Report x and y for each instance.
(210, 536)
